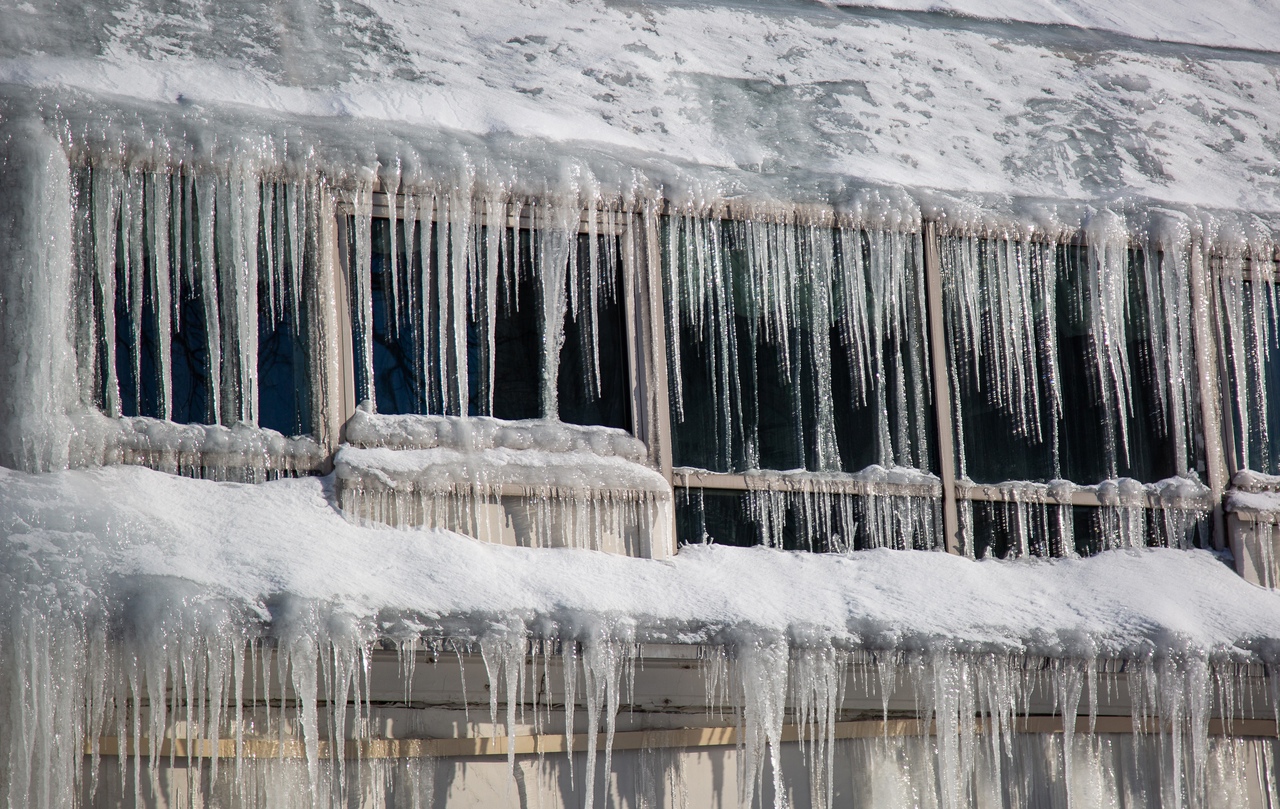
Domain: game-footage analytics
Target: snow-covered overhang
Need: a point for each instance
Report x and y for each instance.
(705, 101)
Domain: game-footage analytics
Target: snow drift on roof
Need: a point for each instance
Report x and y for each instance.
(1253, 24)
(762, 91)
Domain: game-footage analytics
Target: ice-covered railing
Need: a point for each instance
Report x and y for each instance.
(1130, 514)
(536, 482)
(878, 507)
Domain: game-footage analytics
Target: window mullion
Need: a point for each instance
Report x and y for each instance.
(341, 397)
(941, 390)
(656, 413)
(1215, 428)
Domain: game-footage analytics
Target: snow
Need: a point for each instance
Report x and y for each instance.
(1253, 24)
(714, 101)
(1002, 120)
(479, 433)
(94, 532)
(122, 583)
(1253, 501)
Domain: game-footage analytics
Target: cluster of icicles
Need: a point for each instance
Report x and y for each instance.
(287, 705)
(230, 252)
(533, 482)
(1040, 519)
(462, 252)
(804, 286)
(244, 245)
(902, 522)
(532, 515)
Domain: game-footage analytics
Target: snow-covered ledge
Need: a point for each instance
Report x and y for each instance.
(1253, 517)
(535, 483)
(242, 453)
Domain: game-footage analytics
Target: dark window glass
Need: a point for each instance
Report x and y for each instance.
(284, 385)
(799, 521)
(1034, 399)
(1250, 311)
(594, 386)
(155, 286)
(135, 298)
(795, 347)
(415, 371)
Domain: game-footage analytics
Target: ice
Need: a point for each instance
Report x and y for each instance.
(36, 290)
(127, 588)
(1004, 311)
(536, 482)
(1037, 511)
(153, 157)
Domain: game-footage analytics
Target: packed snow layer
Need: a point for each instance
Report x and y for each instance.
(96, 537)
(769, 95)
(1253, 24)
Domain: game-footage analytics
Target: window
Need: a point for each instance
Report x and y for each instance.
(797, 376)
(827, 386)
(1071, 366)
(1252, 360)
(193, 307)
(502, 315)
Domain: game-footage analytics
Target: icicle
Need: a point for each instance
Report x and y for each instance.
(394, 224)
(362, 270)
(245, 219)
(602, 664)
(133, 275)
(762, 669)
(461, 211)
(106, 204)
(205, 188)
(1107, 286)
(495, 237)
(503, 650)
(161, 213)
(556, 236)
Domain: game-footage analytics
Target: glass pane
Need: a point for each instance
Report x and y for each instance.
(284, 385)
(795, 347)
(413, 309)
(192, 400)
(1009, 530)
(594, 378)
(1055, 373)
(1250, 311)
(517, 346)
(129, 371)
(806, 521)
(161, 303)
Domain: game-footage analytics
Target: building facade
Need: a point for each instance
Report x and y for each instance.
(842, 407)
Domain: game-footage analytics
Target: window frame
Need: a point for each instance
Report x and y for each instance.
(693, 481)
(311, 449)
(631, 232)
(1205, 334)
(957, 493)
